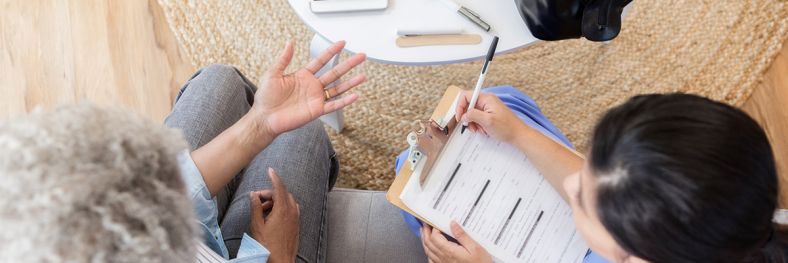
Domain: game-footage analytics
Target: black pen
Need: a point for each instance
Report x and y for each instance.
(480, 82)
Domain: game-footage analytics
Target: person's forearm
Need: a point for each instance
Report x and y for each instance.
(223, 157)
(551, 158)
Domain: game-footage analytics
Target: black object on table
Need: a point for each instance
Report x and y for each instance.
(596, 20)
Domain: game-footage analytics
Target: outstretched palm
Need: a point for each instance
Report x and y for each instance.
(287, 102)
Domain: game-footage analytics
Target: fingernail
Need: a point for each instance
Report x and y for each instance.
(270, 170)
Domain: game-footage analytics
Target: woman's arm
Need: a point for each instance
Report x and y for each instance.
(282, 103)
(492, 117)
(223, 157)
(551, 158)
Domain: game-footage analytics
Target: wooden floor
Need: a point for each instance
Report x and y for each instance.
(108, 52)
(123, 53)
(769, 106)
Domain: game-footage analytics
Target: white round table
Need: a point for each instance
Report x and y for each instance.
(375, 32)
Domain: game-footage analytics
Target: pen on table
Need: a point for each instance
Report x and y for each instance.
(480, 82)
(468, 13)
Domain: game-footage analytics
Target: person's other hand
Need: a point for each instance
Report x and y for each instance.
(288, 101)
(278, 232)
(439, 249)
(490, 116)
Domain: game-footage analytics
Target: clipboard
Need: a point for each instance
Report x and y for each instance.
(432, 146)
(426, 145)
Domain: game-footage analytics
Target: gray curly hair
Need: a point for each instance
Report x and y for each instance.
(88, 184)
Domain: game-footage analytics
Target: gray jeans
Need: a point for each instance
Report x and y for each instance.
(213, 100)
(339, 226)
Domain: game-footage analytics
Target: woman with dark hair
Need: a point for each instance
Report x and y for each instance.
(669, 178)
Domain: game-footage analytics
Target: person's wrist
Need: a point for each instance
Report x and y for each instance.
(280, 258)
(259, 124)
(253, 133)
(275, 256)
(521, 134)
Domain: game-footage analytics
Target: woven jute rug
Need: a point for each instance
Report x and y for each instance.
(715, 48)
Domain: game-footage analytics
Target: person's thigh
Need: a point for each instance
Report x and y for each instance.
(210, 102)
(302, 158)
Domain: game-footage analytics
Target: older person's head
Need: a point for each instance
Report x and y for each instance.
(87, 184)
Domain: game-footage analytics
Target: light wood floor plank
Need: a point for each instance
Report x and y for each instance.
(769, 106)
(108, 52)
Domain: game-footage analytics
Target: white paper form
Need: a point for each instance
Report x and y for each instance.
(500, 199)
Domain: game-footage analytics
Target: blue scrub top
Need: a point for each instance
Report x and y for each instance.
(526, 109)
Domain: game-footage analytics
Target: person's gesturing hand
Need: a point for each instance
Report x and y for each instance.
(278, 232)
(490, 116)
(287, 101)
(439, 249)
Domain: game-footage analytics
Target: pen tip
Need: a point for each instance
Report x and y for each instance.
(462, 131)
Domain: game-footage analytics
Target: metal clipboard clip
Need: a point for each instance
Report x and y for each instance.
(426, 145)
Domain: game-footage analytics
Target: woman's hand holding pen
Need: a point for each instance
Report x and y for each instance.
(439, 249)
(490, 117)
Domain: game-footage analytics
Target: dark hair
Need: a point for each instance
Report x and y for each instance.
(681, 178)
